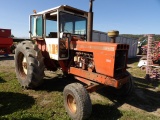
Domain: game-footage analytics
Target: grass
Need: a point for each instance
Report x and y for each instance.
(46, 102)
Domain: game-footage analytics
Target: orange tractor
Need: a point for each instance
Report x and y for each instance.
(62, 39)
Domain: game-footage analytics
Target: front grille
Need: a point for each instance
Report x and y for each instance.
(120, 62)
(122, 47)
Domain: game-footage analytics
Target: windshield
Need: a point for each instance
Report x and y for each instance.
(72, 23)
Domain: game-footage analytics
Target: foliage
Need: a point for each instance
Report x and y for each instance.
(139, 37)
(12, 35)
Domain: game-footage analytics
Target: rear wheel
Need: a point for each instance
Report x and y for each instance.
(29, 64)
(77, 101)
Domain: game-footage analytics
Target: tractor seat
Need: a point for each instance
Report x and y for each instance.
(53, 35)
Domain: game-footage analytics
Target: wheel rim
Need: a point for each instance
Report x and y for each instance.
(22, 65)
(71, 102)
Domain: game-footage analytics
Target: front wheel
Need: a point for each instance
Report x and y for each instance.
(77, 101)
(125, 90)
(29, 64)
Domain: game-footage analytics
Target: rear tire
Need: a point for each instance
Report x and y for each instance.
(77, 101)
(29, 64)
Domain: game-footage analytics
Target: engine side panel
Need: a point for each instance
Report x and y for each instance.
(103, 55)
(108, 58)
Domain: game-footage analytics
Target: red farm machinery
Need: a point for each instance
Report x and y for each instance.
(152, 56)
(152, 60)
(62, 39)
(5, 41)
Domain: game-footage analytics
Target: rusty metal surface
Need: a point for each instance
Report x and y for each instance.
(149, 55)
(104, 54)
(90, 21)
(92, 46)
(152, 68)
(149, 59)
(113, 40)
(90, 27)
(90, 85)
(99, 36)
(103, 79)
(49, 63)
(94, 87)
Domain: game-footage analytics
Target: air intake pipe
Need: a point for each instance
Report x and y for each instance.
(113, 34)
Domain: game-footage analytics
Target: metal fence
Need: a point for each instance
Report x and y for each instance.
(103, 37)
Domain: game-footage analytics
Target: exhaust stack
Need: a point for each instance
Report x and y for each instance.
(90, 22)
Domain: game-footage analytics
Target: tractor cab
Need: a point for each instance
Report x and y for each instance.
(58, 26)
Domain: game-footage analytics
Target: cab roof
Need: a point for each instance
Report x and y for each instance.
(64, 8)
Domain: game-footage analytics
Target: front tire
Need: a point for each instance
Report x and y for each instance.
(29, 64)
(77, 101)
(125, 90)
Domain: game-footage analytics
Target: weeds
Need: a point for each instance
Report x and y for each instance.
(46, 102)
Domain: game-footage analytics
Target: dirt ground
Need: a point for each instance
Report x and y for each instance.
(7, 61)
(141, 101)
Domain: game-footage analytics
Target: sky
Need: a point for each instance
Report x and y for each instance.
(127, 16)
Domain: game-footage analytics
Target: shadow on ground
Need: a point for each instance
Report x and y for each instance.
(2, 80)
(11, 57)
(144, 97)
(105, 112)
(133, 60)
(24, 118)
(11, 102)
(99, 111)
(31, 118)
(54, 84)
